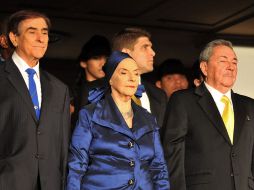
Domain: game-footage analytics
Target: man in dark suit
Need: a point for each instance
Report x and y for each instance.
(209, 135)
(34, 117)
(137, 43)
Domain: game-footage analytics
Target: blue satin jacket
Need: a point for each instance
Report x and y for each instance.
(106, 155)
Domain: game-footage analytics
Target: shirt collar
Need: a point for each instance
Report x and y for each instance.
(217, 95)
(22, 65)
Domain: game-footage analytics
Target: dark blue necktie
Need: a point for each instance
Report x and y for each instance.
(33, 91)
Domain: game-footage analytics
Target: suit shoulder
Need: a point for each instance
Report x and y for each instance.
(149, 86)
(88, 110)
(244, 98)
(2, 65)
(155, 92)
(54, 79)
(184, 93)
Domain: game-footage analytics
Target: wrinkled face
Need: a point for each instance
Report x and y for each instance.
(125, 79)
(93, 68)
(143, 54)
(31, 42)
(221, 68)
(173, 82)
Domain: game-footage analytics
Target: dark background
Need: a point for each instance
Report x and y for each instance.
(179, 28)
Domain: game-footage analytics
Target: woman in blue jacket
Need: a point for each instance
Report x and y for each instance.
(116, 143)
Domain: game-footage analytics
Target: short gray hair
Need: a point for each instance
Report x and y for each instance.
(207, 51)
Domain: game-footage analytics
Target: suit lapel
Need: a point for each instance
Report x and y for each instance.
(152, 96)
(208, 105)
(155, 102)
(19, 84)
(240, 116)
(46, 90)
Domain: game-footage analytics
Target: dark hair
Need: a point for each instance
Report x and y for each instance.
(170, 66)
(96, 46)
(128, 37)
(16, 18)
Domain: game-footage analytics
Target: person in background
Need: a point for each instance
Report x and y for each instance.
(197, 75)
(35, 114)
(116, 143)
(5, 49)
(209, 136)
(137, 43)
(171, 76)
(91, 59)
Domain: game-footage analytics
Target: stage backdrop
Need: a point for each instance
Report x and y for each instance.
(245, 80)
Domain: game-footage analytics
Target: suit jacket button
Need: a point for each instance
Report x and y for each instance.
(131, 182)
(233, 154)
(132, 163)
(38, 132)
(232, 175)
(130, 144)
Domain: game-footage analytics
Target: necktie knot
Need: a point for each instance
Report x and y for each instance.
(30, 72)
(225, 100)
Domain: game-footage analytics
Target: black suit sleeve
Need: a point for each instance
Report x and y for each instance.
(65, 136)
(175, 129)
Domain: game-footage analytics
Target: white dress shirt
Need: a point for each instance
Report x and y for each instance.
(22, 66)
(217, 95)
(145, 100)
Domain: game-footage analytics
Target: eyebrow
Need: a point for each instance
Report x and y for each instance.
(127, 69)
(147, 45)
(227, 57)
(33, 28)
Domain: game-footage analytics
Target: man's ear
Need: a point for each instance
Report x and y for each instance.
(126, 50)
(13, 39)
(197, 82)
(158, 83)
(83, 64)
(203, 67)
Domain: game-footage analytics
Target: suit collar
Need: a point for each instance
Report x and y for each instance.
(208, 105)
(240, 115)
(151, 93)
(107, 115)
(18, 82)
(46, 90)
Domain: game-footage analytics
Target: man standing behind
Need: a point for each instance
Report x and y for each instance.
(209, 135)
(34, 117)
(137, 43)
(171, 76)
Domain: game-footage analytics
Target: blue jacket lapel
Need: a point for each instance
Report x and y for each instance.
(107, 114)
(143, 122)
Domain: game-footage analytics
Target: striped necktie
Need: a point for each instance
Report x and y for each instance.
(33, 91)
